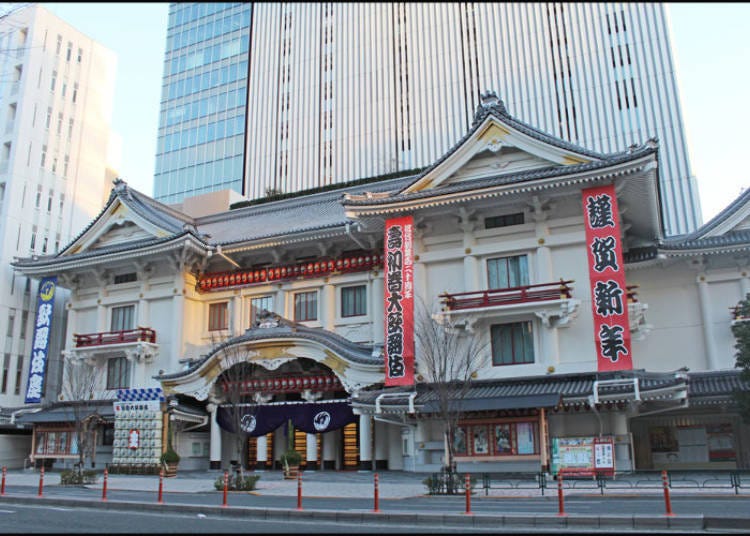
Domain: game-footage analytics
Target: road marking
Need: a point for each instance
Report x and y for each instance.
(7, 511)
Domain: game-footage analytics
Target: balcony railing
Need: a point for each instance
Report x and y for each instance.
(507, 296)
(114, 337)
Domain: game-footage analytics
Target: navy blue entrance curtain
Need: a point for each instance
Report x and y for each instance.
(310, 417)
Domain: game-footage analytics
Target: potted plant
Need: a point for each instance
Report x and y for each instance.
(290, 461)
(169, 460)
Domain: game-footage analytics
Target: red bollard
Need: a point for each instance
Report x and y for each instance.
(467, 485)
(299, 490)
(161, 486)
(560, 497)
(104, 485)
(2, 487)
(226, 486)
(377, 498)
(41, 479)
(667, 501)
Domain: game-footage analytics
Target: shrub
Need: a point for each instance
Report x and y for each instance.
(447, 483)
(291, 457)
(71, 477)
(237, 483)
(170, 456)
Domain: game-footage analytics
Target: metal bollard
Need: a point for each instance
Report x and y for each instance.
(2, 488)
(104, 485)
(467, 485)
(560, 496)
(226, 486)
(41, 480)
(299, 490)
(667, 500)
(377, 498)
(161, 487)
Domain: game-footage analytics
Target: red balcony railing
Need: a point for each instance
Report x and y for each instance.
(114, 337)
(507, 296)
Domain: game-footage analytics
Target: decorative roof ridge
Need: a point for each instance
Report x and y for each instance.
(514, 176)
(719, 218)
(491, 105)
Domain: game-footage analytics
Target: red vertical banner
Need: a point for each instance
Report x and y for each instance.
(609, 295)
(399, 301)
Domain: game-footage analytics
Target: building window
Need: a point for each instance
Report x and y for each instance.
(354, 301)
(69, 52)
(505, 220)
(257, 305)
(6, 366)
(80, 55)
(498, 438)
(126, 278)
(122, 318)
(49, 118)
(19, 375)
(118, 372)
(75, 93)
(507, 272)
(306, 306)
(218, 315)
(512, 344)
(59, 44)
(53, 81)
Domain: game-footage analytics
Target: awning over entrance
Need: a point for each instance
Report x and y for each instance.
(68, 414)
(310, 417)
(549, 400)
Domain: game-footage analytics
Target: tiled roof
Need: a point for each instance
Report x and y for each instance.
(572, 387)
(509, 178)
(716, 384)
(280, 218)
(354, 352)
(740, 239)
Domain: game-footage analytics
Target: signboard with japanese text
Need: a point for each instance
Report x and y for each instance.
(40, 345)
(609, 295)
(583, 455)
(399, 301)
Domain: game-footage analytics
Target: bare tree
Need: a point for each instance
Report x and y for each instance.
(81, 381)
(448, 356)
(231, 389)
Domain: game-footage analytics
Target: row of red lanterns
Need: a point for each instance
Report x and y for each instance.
(307, 269)
(283, 384)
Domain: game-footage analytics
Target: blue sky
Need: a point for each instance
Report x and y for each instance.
(709, 45)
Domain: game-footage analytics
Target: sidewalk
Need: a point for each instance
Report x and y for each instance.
(393, 484)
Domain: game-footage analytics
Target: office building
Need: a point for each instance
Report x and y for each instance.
(344, 91)
(56, 99)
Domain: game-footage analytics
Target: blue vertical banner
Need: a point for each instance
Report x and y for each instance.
(42, 331)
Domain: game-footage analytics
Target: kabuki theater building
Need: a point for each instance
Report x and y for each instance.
(608, 345)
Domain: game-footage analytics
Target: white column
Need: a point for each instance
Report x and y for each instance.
(329, 450)
(744, 284)
(261, 443)
(178, 305)
(328, 306)
(215, 446)
(708, 335)
(471, 272)
(365, 443)
(312, 451)
(618, 421)
(237, 328)
(377, 299)
(143, 313)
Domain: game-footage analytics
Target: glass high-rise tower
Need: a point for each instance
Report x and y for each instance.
(204, 95)
(341, 91)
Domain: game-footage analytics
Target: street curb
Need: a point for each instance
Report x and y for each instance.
(478, 520)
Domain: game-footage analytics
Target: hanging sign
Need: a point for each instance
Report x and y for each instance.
(609, 300)
(399, 301)
(40, 347)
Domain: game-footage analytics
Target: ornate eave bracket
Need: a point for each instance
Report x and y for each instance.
(637, 315)
(559, 314)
